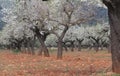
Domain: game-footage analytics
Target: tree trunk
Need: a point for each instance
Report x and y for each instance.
(43, 47)
(101, 47)
(79, 44)
(79, 47)
(114, 20)
(32, 47)
(64, 45)
(72, 46)
(90, 47)
(60, 49)
(60, 40)
(41, 39)
(96, 47)
(18, 47)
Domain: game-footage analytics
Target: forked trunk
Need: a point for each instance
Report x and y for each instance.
(41, 39)
(79, 43)
(43, 47)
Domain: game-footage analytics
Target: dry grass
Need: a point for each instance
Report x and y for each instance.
(85, 63)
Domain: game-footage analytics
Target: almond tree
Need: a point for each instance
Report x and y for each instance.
(34, 13)
(76, 34)
(15, 32)
(97, 35)
(70, 13)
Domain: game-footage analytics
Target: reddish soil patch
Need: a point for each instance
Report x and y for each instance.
(73, 64)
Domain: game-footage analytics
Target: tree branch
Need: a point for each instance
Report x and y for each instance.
(108, 3)
(57, 22)
(82, 20)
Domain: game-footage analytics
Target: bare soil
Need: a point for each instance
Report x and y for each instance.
(85, 63)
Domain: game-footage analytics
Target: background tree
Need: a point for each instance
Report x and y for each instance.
(36, 20)
(97, 35)
(75, 35)
(70, 14)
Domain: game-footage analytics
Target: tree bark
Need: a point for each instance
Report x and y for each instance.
(43, 47)
(60, 40)
(31, 44)
(114, 20)
(64, 45)
(96, 43)
(79, 44)
(60, 49)
(79, 47)
(96, 47)
(72, 45)
(41, 39)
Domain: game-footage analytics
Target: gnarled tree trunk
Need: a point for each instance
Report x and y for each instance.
(41, 39)
(43, 46)
(79, 43)
(114, 20)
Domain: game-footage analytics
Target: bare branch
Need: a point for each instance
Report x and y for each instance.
(69, 10)
(82, 20)
(51, 31)
(57, 22)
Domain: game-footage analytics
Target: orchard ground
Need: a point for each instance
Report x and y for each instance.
(84, 63)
